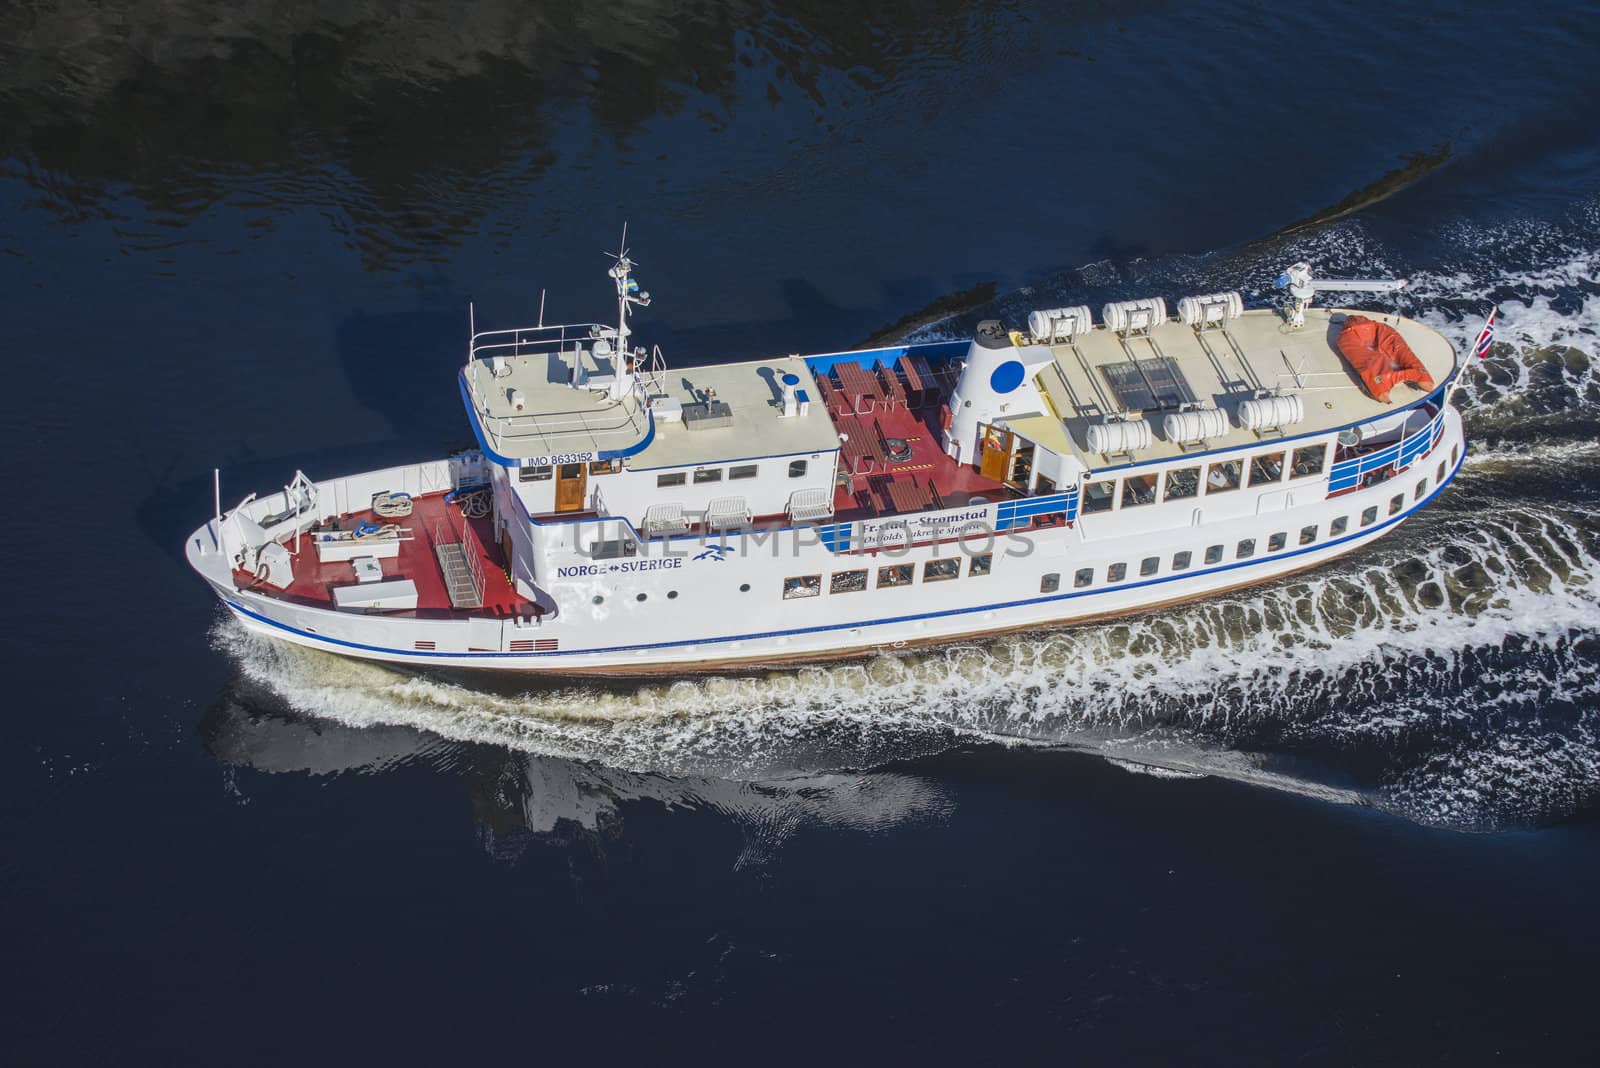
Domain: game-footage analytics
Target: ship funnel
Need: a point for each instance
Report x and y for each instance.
(993, 382)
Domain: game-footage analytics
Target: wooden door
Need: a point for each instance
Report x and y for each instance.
(994, 456)
(572, 483)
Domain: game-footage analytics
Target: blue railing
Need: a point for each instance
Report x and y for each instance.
(1020, 512)
(1349, 473)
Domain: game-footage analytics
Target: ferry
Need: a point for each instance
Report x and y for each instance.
(620, 517)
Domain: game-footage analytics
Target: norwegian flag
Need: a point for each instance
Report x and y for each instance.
(1485, 336)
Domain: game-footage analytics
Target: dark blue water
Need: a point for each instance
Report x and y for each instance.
(1349, 818)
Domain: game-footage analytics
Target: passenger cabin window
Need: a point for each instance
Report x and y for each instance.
(1099, 496)
(676, 478)
(848, 581)
(941, 570)
(896, 575)
(797, 469)
(1138, 489)
(1369, 516)
(981, 564)
(742, 471)
(1246, 549)
(1422, 488)
(1223, 476)
(1438, 476)
(1455, 454)
(1116, 572)
(1084, 576)
(1308, 461)
(1214, 554)
(1149, 566)
(1050, 583)
(707, 474)
(1180, 561)
(1183, 482)
(1338, 526)
(1277, 541)
(534, 474)
(1266, 468)
(802, 586)
(1308, 534)
(1397, 502)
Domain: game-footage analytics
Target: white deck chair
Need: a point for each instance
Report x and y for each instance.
(665, 519)
(806, 505)
(727, 513)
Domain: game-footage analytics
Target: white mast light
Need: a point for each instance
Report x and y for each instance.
(1303, 287)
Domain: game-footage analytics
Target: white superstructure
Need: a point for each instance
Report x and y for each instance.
(619, 516)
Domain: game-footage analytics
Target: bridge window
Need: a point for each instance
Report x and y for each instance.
(604, 467)
(981, 564)
(896, 575)
(1116, 572)
(1308, 461)
(1099, 496)
(1369, 516)
(707, 474)
(797, 469)
(1422, 488)
(1268, 467)
(1083, 577)
(1246, 549)
(1308, 534)
(675, 478)
(534, 474)
(1224, 476)
(1180, 561)
(1277, 541)
(802, 586)
(1050, 583)
(1214, 554)
(941, 570)
(739, 471)
(1338, 526)
(1182, 482)
(1149, 566)
(1138, 489)
(848, 581)
(1397, 502)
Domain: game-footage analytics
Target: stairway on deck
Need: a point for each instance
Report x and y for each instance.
(457, 575)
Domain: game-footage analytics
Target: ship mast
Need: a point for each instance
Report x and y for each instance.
(628, 292)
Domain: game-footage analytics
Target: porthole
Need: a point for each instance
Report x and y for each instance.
(642, 597)
(672, 595)
(744, 587)
(599, 599)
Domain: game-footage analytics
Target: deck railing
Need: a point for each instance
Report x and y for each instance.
(1347, 474)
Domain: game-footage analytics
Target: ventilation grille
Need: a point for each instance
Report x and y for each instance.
(534, 645)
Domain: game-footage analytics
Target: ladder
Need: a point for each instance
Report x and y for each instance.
(459, 580)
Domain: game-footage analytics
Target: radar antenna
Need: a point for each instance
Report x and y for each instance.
(1302, 288)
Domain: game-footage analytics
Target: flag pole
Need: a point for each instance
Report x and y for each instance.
(1480, 349)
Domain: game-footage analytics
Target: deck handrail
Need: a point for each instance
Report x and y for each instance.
(1348, 473)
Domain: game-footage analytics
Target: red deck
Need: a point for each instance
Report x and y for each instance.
(314, 581)
(872, 483)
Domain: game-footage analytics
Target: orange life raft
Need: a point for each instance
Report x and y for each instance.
(1378, 353)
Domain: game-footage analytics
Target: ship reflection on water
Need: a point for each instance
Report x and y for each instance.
(520, 797)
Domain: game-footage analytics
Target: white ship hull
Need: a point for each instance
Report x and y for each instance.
(679, 605)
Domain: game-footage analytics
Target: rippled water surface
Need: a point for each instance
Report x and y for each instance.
(1349, 817)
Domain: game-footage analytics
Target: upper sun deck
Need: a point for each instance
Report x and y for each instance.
(725, 412)
(543, 395)
(1102, 373)
(540, 392)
